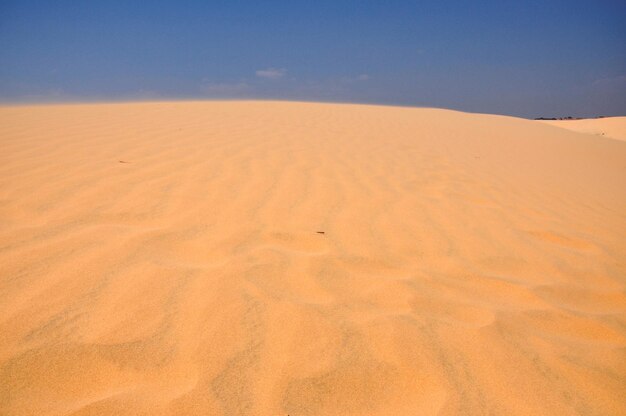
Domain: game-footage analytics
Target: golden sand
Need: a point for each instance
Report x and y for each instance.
(273, 258)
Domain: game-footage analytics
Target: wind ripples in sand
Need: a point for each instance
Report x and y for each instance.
(264, 258)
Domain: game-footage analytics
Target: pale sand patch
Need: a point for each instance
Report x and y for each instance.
(274, 258)
(610, 127)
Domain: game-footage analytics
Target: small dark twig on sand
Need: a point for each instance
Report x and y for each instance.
(320, 232)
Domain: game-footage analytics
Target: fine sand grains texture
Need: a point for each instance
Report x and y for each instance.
(270, 258)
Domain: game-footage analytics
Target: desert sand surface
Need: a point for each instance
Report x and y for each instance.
(277, 258)
(612, 127)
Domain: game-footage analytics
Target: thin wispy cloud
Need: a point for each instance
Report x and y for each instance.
(34, 93)
(225, 89)
(271, 73)
(355, 78)
(615, 82)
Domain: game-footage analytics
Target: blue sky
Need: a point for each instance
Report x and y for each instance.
(527, 58)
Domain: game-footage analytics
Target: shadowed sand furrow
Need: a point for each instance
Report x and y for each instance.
(268, 258)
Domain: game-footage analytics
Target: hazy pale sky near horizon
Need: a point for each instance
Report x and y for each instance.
(527, 58)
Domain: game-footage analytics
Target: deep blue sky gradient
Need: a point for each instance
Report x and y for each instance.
(527, 58)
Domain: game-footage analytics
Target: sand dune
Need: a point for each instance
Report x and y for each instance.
(270, 258)
(612, 127)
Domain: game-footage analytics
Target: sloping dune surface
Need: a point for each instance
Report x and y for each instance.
(272, 258)
(613, 127)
